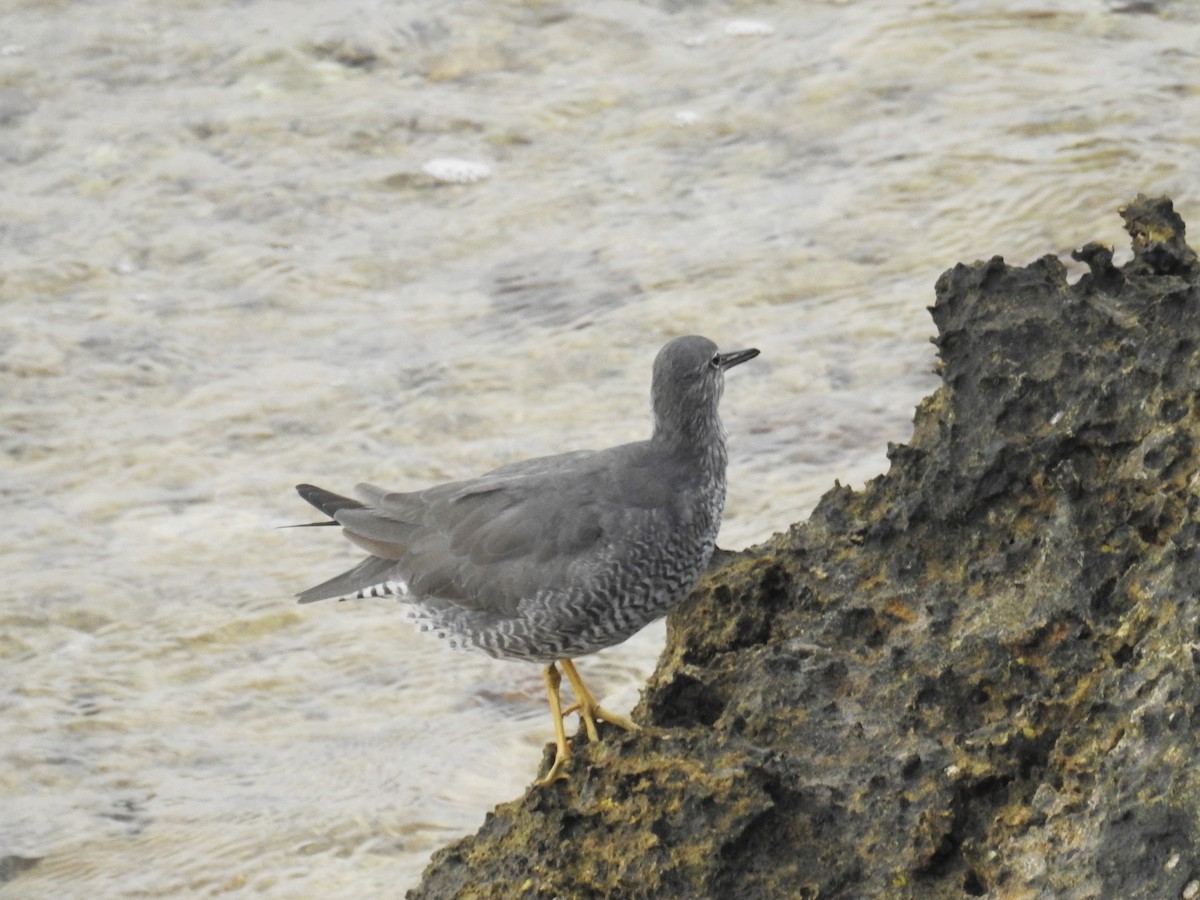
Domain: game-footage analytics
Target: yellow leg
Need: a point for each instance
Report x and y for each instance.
(587, 707)
(562, 750)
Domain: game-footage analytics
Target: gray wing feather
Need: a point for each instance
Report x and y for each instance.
(489, 543)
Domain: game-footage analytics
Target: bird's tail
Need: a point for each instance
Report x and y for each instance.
(371, 572)
(326, 501)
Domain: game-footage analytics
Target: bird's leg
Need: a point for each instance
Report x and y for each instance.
(589, 710)
(562, 750)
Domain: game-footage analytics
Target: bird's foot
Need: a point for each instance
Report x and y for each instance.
(556, 770)
(596, 713)
(588, 708)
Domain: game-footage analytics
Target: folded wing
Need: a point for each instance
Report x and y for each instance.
(483, 544)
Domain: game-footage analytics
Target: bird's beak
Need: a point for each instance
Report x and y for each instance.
(729, 360)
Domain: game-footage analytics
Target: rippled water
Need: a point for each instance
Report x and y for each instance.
(248, 244)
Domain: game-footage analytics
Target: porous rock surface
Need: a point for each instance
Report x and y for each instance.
(976, 676)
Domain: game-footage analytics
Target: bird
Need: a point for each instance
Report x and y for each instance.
(553, 558)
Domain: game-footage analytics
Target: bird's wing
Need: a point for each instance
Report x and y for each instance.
(493, 541)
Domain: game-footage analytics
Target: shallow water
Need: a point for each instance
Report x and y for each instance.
(231, 260)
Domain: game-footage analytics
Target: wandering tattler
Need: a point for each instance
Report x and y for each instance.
(552, 558)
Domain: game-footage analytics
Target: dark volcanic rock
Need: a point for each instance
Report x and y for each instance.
(977, 675)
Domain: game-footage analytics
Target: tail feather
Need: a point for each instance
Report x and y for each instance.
(371, 571)
(326, 501)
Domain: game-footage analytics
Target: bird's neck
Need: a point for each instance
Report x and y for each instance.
(702, 443)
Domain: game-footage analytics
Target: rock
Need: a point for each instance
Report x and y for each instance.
(978, 675)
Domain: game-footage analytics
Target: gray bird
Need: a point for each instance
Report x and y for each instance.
(556, 557)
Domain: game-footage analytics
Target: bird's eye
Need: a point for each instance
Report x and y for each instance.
(716, 361)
